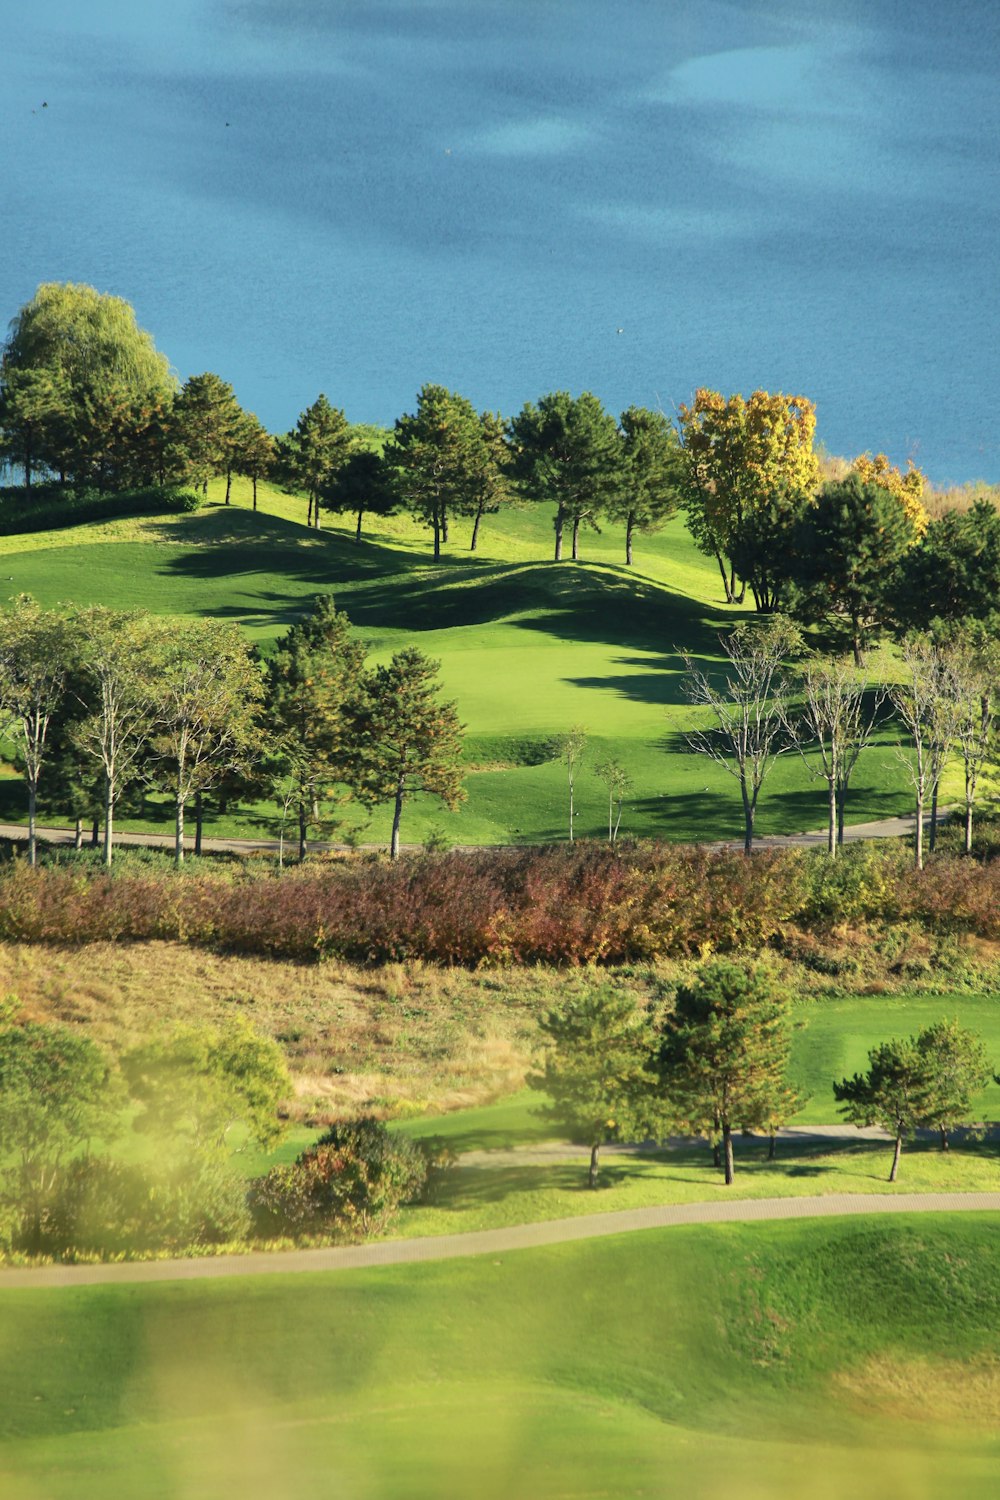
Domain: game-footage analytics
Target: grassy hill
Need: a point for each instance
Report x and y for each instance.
(528, 648)
(828, 1358)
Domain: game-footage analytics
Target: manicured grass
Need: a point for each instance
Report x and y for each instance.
(767, 1360)
(528, 649)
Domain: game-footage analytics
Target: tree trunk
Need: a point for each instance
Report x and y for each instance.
(727, 1145)
(918, 852)
(179, 832)
(229, 484)
(78, 834)
(444, 524)
(945, 1143)
(968, 826)
(770, 1146)
(748, 820)
(932, 841)
(475, 529)
(95, 833)
(255, 492)
(611, 806)
(831, 833)
(357, 532)
(109, 813)
(629, 528)
(396, 816)
(199, 818)
(571, 809)
(437, 536)
(725, 578)
(303, 831)
(576, 538)
(32, 804)
(309, 512)
(856, 642)
(895, 1157)
(594, 1153)
(559, 523)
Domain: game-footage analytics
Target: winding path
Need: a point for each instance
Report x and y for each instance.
(500, 1241)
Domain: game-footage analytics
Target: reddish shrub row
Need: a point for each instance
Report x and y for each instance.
(554, 905)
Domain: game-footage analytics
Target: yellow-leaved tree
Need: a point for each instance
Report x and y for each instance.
(908, 488)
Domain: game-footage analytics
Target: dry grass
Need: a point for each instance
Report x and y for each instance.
(945, 1392)
(399, 1039)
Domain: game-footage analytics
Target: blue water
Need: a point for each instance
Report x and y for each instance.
(634, 197)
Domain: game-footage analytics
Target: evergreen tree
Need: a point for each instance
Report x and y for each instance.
(565, 452)
(309, 457)
(652, 473)
(440, 459)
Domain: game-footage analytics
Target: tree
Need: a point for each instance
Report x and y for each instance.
(403, 739)
(57, 1093)
(652, 473)
(207, 423)
(749, 465)
(844, 555)
(209, 691)
(311, 682)
(571, 747)
(597, 1070)
(36, 651)
(74, 356)
(440, 460)
(492, 488)
(893, 1093)
(619, 784)
(309, 457)
(749, 710)
(362, 485)
(956, 1069)
(930, 713)
(565, 452)
(970, 676)
(907, 488)
(195, 1084)
(118, 653)
(255, 450)
(724, 1054)
(837, 721)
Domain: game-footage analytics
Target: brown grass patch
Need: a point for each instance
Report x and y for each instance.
(946, 1392)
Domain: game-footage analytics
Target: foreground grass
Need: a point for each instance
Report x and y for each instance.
(528, 649)
(743, 1360)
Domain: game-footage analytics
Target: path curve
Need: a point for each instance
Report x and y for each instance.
(500, 1241)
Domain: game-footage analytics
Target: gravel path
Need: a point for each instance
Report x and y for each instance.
(500, 1241)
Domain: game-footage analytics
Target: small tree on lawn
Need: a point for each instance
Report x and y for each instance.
(724, 1054)
(931, 714)
(597, 1071)
(749, 709)
(956, 1069)
(36, 652)
(619, 784)
(572, 745)
(403, 739)
(893, 1093)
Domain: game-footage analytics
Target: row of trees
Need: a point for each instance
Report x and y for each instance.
(716, 1063)
(947, 700)
(98, 701)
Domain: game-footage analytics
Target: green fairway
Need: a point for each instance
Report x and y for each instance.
(528, 649)
(770, 1360)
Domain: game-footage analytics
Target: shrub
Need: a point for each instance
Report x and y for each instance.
(352, 1181)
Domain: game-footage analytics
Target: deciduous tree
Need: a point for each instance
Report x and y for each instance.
(36, 653)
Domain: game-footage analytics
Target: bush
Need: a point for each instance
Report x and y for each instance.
(351, 1182)
(49, 507)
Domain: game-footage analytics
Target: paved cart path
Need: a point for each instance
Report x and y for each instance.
(497, 1242)
(885, 828)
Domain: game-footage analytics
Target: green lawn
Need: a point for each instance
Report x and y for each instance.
(528, 648)
(748, 1361)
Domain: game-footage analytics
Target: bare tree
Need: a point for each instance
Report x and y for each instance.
(571, 745)
(971, 673)
(834, 719)
(926, 705)
(619, 784)
(750, 708)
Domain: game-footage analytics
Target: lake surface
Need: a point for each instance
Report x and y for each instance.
(634, 197)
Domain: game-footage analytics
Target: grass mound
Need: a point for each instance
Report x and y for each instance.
(731, 1360)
